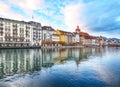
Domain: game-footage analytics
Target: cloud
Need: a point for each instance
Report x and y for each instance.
(7, 12)
(91, 15)
(27, 4)
(3, 7)
(104, 16)
(74, 15)
(94, 16)
(24, 10)
(20, 10)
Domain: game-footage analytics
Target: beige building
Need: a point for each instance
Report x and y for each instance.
(47, 33)
(55, 39)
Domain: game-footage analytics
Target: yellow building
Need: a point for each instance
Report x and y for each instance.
(63, 36)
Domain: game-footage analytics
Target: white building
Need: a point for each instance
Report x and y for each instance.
(69, 37)
(36, 33)
(47, 33)
(77, 35)
(55, 36)
(77, 38)
(19, 33)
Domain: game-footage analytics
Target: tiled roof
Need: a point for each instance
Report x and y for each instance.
(47, 28)
(21, 21)
(65, 32)
(84, 34)
(62, 31)
(90, 37)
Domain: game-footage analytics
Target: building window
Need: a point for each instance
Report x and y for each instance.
(1, 39)
(1, 34)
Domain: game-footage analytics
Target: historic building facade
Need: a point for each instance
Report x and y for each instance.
(19, 33)
(36, 33)
(55, 38)
(77, 35)
(47, 33)
(63, 37)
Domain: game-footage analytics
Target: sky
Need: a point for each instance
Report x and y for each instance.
(96, 17)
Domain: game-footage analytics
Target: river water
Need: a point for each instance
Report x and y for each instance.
(80, 67)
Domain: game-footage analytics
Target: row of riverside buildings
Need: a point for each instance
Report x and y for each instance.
(15, 33)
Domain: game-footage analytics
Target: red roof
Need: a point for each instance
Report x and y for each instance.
(90, 37)
(84, 34)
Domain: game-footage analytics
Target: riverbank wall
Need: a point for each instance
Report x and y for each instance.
(16, 47)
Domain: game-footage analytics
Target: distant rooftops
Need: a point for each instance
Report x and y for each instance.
(47, 28)
(18, 21)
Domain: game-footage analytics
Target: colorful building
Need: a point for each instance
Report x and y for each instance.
(63, 36)
(21, 34)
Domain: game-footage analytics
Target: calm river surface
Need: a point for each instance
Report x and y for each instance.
(81, 67)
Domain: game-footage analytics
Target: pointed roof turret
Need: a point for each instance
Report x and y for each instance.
(77, 29)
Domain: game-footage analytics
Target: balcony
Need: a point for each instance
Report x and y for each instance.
(14, 25)
(9, 37)
(1, 31)
(1, 24)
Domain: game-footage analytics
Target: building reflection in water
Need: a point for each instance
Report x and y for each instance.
(14, 61)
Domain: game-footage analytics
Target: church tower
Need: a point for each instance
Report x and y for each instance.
(77, 30)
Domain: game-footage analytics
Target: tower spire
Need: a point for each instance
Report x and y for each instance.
(77, 29)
